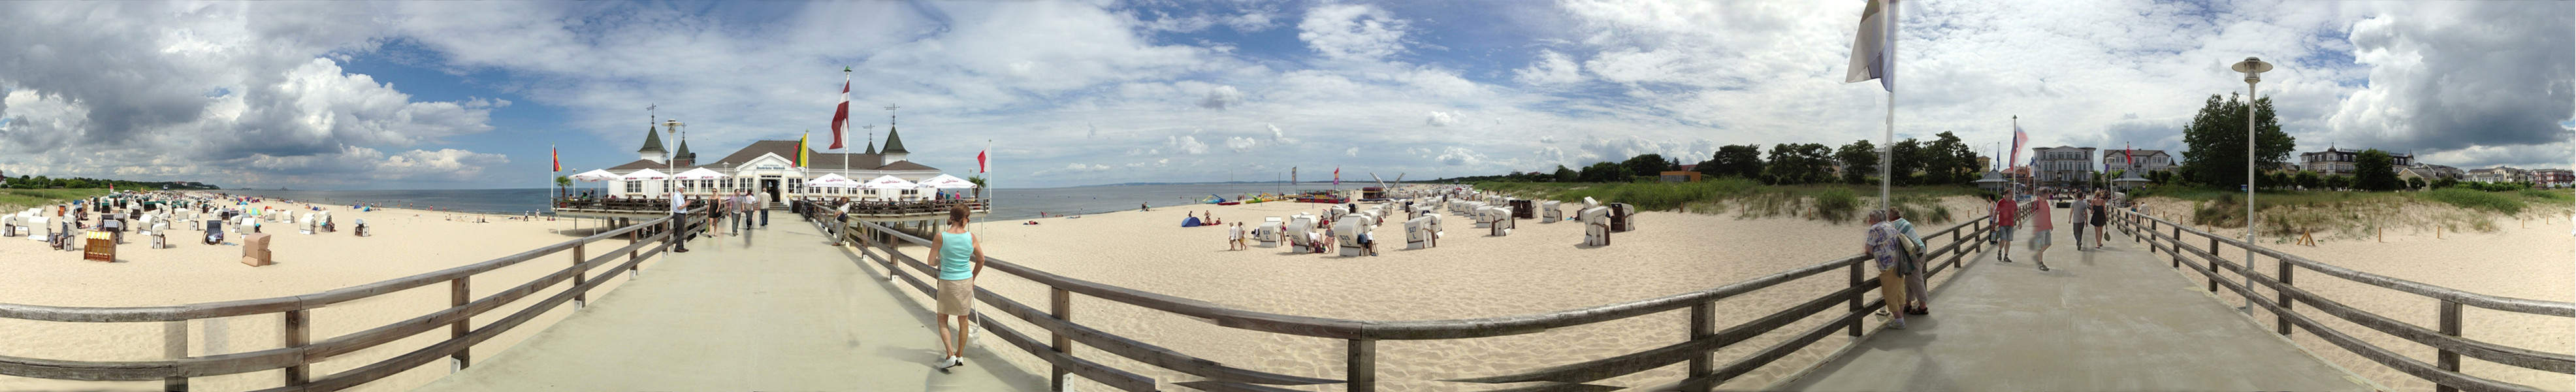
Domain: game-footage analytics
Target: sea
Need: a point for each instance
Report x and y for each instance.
(1008, 203)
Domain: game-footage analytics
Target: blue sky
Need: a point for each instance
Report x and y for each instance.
(470, 95)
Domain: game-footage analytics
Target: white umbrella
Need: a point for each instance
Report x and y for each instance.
(595, 175)
(832, 181)
(889, 182)
(646, 174)
(944, 181)
(698, 174)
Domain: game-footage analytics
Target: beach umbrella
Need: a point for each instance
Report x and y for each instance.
(595, 175)
(646, 174)
(698, 174)
(889, 182)
(833, 182)
(944, 181)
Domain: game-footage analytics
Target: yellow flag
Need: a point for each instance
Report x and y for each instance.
(800, 148)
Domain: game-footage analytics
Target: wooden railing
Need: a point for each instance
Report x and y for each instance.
(2166, 237)
(301, 351)
(1361, 336)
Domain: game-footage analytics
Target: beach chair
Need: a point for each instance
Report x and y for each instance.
(1436, 231)
(1550, 211)
(322, 222)
(160, 234)
(1596, 225)
(214, 232)
(1623, 217)
(361, 228)
(1417, 233)
(304, 224)
(1588, 203)
(1299, 230)
(41, 228)
(9, 225)
(1523, 209)
(1346, 232)
(100, 245)
(1268, 232)
(255, 250)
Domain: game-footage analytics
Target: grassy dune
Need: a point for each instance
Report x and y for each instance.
(12, 200)
(2357, 213)
(1749, 199)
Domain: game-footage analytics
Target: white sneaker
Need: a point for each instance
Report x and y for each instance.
(948, 362)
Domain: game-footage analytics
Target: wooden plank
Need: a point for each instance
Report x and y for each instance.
(1855, 301)
(578, 299)
(1776, 351)
(296, 336)
(1359, 364)
(2517, 305)
(1119, 379)
(1703, 324)
(1139, 351)
(458, 294)
(2282, 324)
(174, 345)
(2446, 359)
(1061, 303)
(415, 358)
(1659, 357)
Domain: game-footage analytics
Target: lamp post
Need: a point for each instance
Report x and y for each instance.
(2253, 69)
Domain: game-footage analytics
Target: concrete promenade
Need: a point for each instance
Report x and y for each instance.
(2115, 319)
(775, 310)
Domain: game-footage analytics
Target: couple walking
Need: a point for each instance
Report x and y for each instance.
(1898, 252)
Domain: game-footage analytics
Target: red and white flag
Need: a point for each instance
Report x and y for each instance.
(841, 117)
(983, 164)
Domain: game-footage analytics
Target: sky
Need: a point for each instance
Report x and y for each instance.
(433, 95)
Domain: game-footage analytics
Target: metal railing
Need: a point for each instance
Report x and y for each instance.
(2444, 373)
(301, 351)
(877, 242)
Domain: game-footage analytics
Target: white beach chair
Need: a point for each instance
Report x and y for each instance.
(1549, 211)
(160, 234)
(1346, 232)
(1623, 217)
(1496, 220)
(1417, 233)
(40, 228)
(1596, 225)
(1588, 203)
(304, 224)
(1298, 230)
(322, 222)
(1268, 232)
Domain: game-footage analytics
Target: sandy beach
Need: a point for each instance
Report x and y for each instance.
(402, 243)
(1538, 268)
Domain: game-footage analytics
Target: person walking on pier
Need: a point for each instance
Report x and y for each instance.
(961, 258)
(2040, 223)
(2005, 208)
(2075, 217)
(1919, 301)
(679, 222)
(1886, 247)
(763, 198)
(2101, 213)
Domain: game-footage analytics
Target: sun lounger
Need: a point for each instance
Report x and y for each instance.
(1596, 225)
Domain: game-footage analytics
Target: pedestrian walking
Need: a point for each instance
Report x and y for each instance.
(679, 222)
(1886, 248)
(2075, 217)
(2101, 214)
(764, 199)
(2005, 210)
(2039, 227)
(961, 258)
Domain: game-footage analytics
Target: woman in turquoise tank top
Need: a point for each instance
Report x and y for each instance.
(960, 258)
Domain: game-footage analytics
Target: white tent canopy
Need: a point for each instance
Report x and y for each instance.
(646, 174)
(595, 175)
(832, 181)
(944, 181)
(889, 182)
(698, 174)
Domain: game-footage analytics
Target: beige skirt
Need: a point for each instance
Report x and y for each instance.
(956, 297)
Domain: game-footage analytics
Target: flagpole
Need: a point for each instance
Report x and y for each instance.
(1886, 156)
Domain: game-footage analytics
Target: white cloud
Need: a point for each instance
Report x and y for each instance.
(1441, 119)
(1185, 144)
(1352, 32)
(1552, 68)
(1241, 144)
(1455, 156)
(1353, 151)
(1278, 136)
(1221, 97)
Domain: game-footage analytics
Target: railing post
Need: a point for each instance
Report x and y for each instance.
(1360, 366)
(1063, 310)
(2283, 298)
(2214, 261)
(1855, 301)
(1703, 319)
(459, 291)
(297, 336)
(580, 275)
(2446, 359)
(174, 345)
(2175, 248)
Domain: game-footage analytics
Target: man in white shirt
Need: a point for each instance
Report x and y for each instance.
(679, 206)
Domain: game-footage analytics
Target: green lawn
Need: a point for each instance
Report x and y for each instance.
(12, 200)
(1748, 198)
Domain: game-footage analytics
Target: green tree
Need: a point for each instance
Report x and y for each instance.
(2308, 179)
(1948, 160)
(2278, 180)
(2445, 182)
(2215, 140)
(2375, 171)
(1564, 175)
(2416, 183)
(1905, 157)
(2339, 181)
(563, 186)
(1800, 163)
(1744, 160)
(1648, 165)
(1606, 172)
(1859, 160)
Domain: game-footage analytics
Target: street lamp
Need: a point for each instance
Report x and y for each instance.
(2253, 69)
(672, 162)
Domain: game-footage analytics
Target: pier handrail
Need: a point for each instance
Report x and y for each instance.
(2445, 373)
(300, 351)
(1361, 335)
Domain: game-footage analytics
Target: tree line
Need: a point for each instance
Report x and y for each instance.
(43, 182)
(1944, 160)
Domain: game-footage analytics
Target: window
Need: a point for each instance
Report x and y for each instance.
(634, 186)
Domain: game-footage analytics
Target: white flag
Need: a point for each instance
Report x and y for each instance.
(1869, 48)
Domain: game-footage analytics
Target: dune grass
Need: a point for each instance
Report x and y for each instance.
(1748, 198)
(2359, 214)
(19, 199)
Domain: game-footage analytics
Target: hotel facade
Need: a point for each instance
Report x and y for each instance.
(769, 167)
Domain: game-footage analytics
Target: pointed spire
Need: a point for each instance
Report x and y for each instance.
(684, 155)
(894, 142)
(652, 141)
(872, 143)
